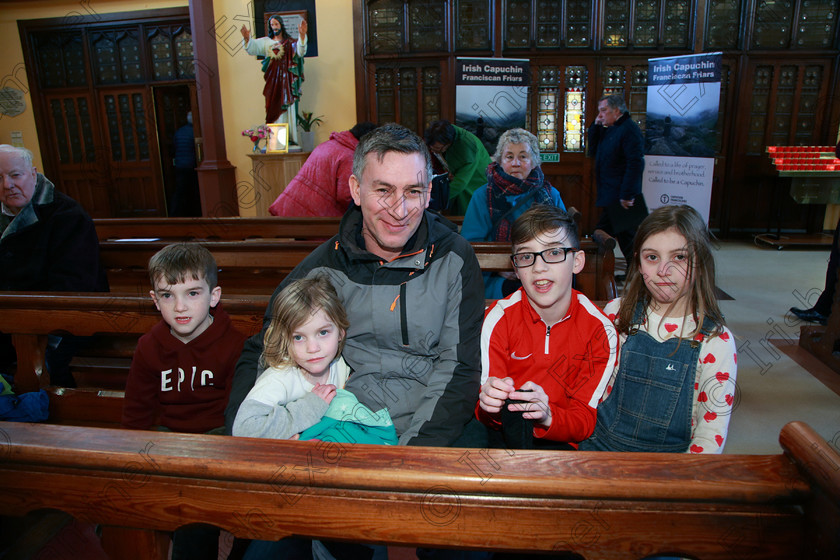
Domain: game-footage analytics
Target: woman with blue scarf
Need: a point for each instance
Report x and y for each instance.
(514, 182)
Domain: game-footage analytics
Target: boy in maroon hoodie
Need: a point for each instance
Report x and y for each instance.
(182, 368)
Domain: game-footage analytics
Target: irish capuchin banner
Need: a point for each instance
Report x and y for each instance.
(681, 134)
(491, 96)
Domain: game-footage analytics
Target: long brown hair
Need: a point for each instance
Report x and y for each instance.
(293, 307)
(702, 303)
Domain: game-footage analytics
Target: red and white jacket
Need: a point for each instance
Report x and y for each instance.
(572, 360)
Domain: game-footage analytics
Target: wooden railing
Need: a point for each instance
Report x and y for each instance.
(140, 485)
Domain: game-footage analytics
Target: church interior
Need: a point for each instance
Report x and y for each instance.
(96, 89)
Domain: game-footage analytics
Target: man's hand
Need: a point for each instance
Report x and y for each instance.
(493, 394)
(245, 33)
(626, 204)
(536, 408)
(326, 392)
(599, 119)
(303, 27)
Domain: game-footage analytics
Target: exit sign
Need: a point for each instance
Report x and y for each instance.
(550, 158)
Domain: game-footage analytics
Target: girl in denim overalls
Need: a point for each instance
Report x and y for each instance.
(674, 387)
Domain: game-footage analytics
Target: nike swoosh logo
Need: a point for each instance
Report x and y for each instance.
(513, 356)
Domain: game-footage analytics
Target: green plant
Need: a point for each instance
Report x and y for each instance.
(307, 121)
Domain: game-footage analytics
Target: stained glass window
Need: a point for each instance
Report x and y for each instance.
(472, 25)
(616, 21)
(723, 24)
(575, 101)
(638, 95)
(140, 124)
(772, 24)
(161, 47)
(431, 95)
(427, 25)
(677, 20)
(806, 114)
(105, 60)
(60, 131)
(112, 119)
(646, 23)
(578, 23)
(129, 49)
(549, 22)
(385, 95)
(386, 26)
(762, 82)
(816, 26)
(184, 54)
(408, 98)
(547, 109)
(613, 80)
(517, 23)
(61, 61)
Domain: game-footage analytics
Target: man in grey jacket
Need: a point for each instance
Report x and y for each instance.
(413, 292)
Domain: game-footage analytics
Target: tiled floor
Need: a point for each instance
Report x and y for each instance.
(773, 388)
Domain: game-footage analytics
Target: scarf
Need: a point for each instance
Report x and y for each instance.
(500, 185)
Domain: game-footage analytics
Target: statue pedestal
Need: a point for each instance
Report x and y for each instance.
(270, 173)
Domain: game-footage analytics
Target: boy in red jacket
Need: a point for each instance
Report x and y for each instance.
(547, 351)
(182, 369)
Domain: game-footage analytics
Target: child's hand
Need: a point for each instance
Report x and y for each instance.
(493, 394)
(536, 408)
(326, 392)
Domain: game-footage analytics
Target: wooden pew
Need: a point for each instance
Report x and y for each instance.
(221, 228)
(257, 266)
(118, 320)
(140, 485)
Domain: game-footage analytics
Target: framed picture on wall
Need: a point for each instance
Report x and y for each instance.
(278, 140)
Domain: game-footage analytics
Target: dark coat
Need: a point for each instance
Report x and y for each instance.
(619, 152)
(50, 246)
(183, 146)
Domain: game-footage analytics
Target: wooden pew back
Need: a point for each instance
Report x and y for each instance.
(29, 317)
(139, 485)
(221, 228)
(258, 266)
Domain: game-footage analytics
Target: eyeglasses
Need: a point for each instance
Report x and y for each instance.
(549, 256)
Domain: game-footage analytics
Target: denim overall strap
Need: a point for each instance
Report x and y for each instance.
(651, 403)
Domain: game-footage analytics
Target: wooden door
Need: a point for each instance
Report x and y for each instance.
(172, 103)
(79, 151)
(132, 152)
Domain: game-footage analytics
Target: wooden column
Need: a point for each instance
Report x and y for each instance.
(216, 177)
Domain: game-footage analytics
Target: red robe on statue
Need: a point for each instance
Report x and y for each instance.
(281, 75)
